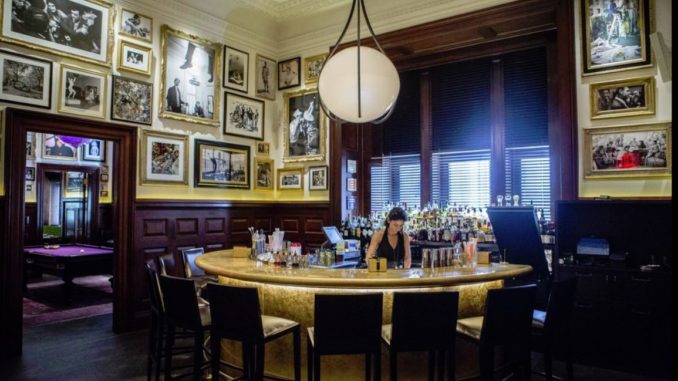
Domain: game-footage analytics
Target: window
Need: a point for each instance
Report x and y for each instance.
(528, 174)
(395, 179)
(462, 178)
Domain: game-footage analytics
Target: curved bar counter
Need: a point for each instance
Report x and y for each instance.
(289, 293)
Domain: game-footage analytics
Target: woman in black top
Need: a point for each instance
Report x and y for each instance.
(390, 242)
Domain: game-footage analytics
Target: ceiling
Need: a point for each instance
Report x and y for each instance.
(277, 10)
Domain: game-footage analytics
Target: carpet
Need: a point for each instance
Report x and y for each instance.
(44, 302)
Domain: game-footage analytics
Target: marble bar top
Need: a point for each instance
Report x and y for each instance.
(222, 263)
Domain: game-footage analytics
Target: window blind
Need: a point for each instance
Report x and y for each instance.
(395, 179)
(461, 177)
(401, 131)
(528, 174)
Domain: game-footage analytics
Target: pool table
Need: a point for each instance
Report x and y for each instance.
(69, 261)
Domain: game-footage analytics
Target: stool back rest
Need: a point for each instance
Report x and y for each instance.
(157, 304)
(189, 256)
(170, 266)
(181, 301)
(560, 307)
(424, 321)
(235, 312)
(508, 316)
(346, 324)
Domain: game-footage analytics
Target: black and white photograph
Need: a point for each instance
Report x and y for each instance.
(221, 165)
(616, 34)
(103, 193)
(291, 179)
(74, 184)
(264, 77)
(58, 147)
(81, 29)
(135, 58)
(628, 151)
(95, 150)
(244, 116)
(289, 74)
(30, 173)
(263, 171)
(25, 80)
(627, 97)
(132, 100)
(135, 25)
(164, 158)
(263, 148)
(191, 70)
(312, 67)
(82, 92)
(30, 145)
(236, 69)
(104, 177)
(317, 178)
(304, 127)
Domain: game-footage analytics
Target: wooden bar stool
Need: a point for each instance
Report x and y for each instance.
(170, 266)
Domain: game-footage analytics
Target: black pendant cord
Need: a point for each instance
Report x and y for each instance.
(369, 27)
(360, 111)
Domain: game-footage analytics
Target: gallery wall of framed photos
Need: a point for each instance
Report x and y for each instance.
(624, 99)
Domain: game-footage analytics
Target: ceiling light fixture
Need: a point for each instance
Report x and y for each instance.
(359, 84)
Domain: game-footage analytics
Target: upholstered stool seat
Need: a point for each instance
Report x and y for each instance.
(538, 318)
(470, 327)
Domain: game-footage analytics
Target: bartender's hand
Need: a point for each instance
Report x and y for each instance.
(374, 244)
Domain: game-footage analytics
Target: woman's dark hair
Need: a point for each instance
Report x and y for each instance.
(396, 214)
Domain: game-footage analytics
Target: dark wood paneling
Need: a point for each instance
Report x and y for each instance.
(426, 133)
(31, 234)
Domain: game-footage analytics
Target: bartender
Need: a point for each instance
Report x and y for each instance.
(391, 243)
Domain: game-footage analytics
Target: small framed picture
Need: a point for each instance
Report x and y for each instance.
(135, 25)
(25, 80)
(351, 184)
(312, 66)
(29, 187)
(289, 74)
(104, 169)
(58, 147)
(103, 193)
(264, 171)
(317, 178)
(304, 127)
(104, 177)
(221, 165)
(30, 145)
(627, 97)
(236, 69)
(351, 166)
(132, 100)
(74, 184)
(265, 77)
(82, 92)
(30, 173)
(164, 158)
(263, 148)
(135, 58)
(291, 179)
(95, 150)
(244, 116)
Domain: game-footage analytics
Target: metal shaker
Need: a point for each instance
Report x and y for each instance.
(425, 258)
(435, 258)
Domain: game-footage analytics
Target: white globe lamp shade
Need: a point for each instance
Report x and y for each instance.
(379, 85)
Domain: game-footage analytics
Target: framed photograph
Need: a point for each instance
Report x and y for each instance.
(82, 92)
(616, 35)
(30, 145)
(627, 97)
(351, 166)
(628, 151)
(30, 173)
(289, 73)
(135, 58)
(104, 177)
(291, 179)
(221, 165)
(304, 127)
(243, 116)
(25, 80)
(317, 178)
(104, 169)
(236, 69)
(132, 100)
(135, 25)
(264, 75)
(264, 170)
(263, 148)
(29, 187)
(312, 66)
(56, 147)
(95, 150)
(81, 29)
(103, 193)
(74, 184)
(164, 158)
(190, 74)
(351, 184)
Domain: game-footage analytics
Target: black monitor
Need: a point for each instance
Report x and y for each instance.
(515, 230)
(332, 233)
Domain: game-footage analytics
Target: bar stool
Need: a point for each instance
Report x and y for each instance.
(236, 315)
(343, 325)
(192, 271)
(183, 311)
(169, 266)
(507, 322)
(434, 334)
(551, 329)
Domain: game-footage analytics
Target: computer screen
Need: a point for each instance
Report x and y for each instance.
(332, 234)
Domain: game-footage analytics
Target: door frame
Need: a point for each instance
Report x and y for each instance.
(124, 137)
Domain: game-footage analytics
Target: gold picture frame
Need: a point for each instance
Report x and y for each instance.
(221, 165)
(142, 31)
(290, 179)
(195, 61)
(264, 173)
(312, 66)
(101, 14)
(304, 127)
(164, 158)
(625, 97)
(135, 58)
(73, 184)
(82, 91)
(642, 150)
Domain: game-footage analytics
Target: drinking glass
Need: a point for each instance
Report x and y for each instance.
(507, 198)
(516, 199)
(500, 200)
